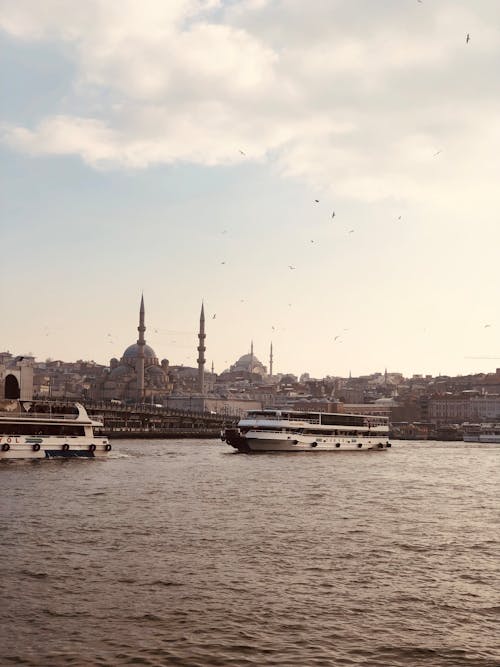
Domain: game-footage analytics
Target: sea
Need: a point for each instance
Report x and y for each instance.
(186, 553)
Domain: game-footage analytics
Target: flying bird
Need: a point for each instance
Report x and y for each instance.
(437, 153)
(317, 201)
(242, 152)
(351, 231)
(487, 325)
(399, 217)
(214, 316)
(467, 39)
(333, 214)
(336, 337)
(223, 262)
(292, 268)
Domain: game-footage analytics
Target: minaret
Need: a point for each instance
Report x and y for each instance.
(140, 356)
(271, 360)
(201, 352)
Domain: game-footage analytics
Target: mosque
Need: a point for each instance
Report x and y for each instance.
(138, 376)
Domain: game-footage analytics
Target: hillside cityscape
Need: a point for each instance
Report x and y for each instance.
(416, 406)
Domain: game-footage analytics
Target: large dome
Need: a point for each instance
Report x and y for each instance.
(132, 352)
(250, 364)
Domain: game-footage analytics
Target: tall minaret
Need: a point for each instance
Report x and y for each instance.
(271, 359)
(201, 352)
(140, 357)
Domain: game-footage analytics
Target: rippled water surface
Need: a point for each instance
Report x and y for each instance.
(183, 553)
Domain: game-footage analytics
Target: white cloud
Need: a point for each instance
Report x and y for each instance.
(355, 99)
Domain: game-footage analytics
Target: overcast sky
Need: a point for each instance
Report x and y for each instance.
(178, 148)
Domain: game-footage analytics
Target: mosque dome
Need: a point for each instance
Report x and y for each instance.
(250, 364)
(119, 372)
(132, 353)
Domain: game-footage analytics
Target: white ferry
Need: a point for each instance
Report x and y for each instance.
(486, 432)
(31, 431)
(295, 431)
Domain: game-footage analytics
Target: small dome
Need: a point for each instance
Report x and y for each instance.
(119, 372)
(154, 370)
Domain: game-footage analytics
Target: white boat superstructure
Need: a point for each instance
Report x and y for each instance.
(485, 432)
(295, 431)
(28, 433)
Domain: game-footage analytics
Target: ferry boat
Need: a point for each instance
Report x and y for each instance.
(486, 432)
(295, 431)
(29, 430)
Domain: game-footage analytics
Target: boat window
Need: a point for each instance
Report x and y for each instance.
(41, 429)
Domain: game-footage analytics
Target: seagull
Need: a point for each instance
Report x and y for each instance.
(317, 201)
(242, 152)
(487, 325)
(467, 39)
(292, 268)
(351, 231)
(399, 218)
(223, 262)
(336, 337)
(312, 240)
(437, 153)
(333, 214)
(214, 316)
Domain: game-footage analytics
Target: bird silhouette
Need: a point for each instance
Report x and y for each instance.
(333, 214)
(292, 268)
(438, 152)
(317, 201)
(467, 39)
(242, 152)
(487, 325)
(223, 262)
(336, 337)
(351, 231)
(214, 316)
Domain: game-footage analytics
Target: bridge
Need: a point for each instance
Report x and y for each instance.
(151, 421)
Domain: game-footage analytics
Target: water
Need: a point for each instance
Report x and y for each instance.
(183, 553)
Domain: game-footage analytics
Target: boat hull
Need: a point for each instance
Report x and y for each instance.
(482, 438)
(46, 448)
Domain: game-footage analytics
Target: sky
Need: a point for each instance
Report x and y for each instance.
(322, 175)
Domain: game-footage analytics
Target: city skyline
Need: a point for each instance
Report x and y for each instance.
(325, 181)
